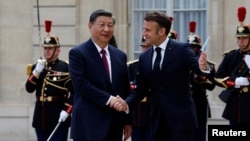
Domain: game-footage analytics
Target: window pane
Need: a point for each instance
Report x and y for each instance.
(189, 4)
(190, 10)
(160, 4)
(181, 24)
(149, 4)
(138, 21)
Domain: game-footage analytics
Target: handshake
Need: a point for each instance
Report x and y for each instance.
(118, 104)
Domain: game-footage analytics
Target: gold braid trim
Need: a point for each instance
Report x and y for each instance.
(66, 81)
(62, 74)
(59, 87)
(133, 61)
(62, 79)
(222, 81)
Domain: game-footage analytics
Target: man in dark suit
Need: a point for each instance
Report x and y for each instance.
(164, 69)
(100, 80)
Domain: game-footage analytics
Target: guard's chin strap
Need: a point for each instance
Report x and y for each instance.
(52, 54)
(248, 42)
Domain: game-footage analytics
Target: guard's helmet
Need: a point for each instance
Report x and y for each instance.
(242, 30)
(50, 40)
(193, 38)
(172, 34)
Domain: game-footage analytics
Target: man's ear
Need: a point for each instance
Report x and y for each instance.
(162, 31)
(89, 25)
(59, 50)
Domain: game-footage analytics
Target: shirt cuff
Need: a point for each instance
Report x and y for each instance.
(127, 111)
(207, 71)
(107, 103)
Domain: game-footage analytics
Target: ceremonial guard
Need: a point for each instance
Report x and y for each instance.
(233, 75)
(141, 113)
(50, 79)
(199, 85)
(172, 33)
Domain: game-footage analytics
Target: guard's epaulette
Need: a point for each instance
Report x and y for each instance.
(226, 52)
(28, 69)
(131, 62)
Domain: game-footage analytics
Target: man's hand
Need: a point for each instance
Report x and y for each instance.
(247, 60)
(241, 81)
(63, 116)
(39, 67)
(127, 131)
(203, 61)
(118, 103)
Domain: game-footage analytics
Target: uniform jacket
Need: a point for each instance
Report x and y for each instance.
(54, 92)
(199, 85)
(170, 96)
(233, 66)
(91, 117)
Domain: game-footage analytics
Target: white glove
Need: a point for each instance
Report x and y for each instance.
(39, 67)
(247, 60)
(63, 116)
(241, 81)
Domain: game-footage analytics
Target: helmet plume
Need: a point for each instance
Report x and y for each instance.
(192, 26)
(241, 13)
(48, 24)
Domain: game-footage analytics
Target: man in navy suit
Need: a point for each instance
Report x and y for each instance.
(173, 116)
(97, 86)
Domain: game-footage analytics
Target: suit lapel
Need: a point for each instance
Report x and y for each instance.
(112, 61)
(149, 60)
(167, 54)
(97, 57)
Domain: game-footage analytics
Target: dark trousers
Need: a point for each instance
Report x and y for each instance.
(115, 132)
(200, 134)
(201, 131)
(141, 134)
(59, 135)
(163, 133)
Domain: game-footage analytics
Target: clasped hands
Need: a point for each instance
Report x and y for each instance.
(118, 104)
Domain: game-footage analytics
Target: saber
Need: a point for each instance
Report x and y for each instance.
(53, 132)
(205, 44)
(39, 27)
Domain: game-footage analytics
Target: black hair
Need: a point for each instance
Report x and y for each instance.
(97, 13)
(161, 18)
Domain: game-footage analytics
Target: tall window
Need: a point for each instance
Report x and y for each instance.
(183, 11)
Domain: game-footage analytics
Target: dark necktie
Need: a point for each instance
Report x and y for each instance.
(157, 60)
(105, 61)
